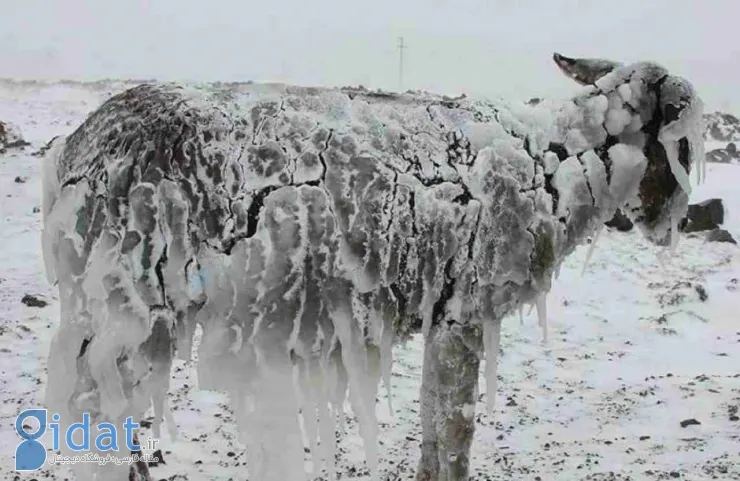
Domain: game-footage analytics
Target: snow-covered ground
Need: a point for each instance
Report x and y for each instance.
(635, 349)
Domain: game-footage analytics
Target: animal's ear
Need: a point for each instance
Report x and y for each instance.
(585, 71)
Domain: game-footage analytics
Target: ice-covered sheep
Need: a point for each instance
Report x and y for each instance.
(306, 230)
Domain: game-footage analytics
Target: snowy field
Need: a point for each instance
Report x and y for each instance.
(635, 349)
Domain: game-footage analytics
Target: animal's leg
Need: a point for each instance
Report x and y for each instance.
(448, 395)
(114, 343)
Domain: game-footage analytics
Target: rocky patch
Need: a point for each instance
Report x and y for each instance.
(620, 222)
(720, 235)
(10, 138)
(706, 215)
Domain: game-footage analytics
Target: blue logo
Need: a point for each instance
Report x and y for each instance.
(31, 454)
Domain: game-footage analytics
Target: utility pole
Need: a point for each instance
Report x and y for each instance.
(401, 48)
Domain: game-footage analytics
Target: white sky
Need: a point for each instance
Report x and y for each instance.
(495, 47)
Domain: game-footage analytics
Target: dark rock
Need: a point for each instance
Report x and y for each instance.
(17, 144)
(689, 422)
(719, 156)
(10, 137)
(720, 235)
(620, 221)
(734, 418)
(33, 301)
(20, 180)
(724, 156)
(703, 296)
(703, 216)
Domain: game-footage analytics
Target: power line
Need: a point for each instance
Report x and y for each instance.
(401, 48)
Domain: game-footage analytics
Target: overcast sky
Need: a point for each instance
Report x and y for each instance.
(494, 47)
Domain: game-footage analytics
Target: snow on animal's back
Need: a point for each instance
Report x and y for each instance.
(230, 148)
(230, 117)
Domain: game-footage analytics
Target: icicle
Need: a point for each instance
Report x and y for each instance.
(492, 347)
(386, 363)
(542, 314)
(162, 411)
(327, 417)
(362, 394)
(426, 325)
(698, 165)
(338, 387)
(671, 150)
(674, 233)
(275, 446)
(328, 438)
(696, 139)
(303, 380)
(591, 249)
(521, 314)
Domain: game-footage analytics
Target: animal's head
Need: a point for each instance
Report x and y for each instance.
(650, 111)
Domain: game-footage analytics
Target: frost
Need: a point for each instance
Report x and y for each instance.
(572, 187)
(628, 167)
(617, 120)
(597, 178)
(625, 92)
(551, 162)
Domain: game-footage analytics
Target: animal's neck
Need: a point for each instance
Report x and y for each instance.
(581, 175)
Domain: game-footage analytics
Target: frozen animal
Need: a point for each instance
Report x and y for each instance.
(307, 230)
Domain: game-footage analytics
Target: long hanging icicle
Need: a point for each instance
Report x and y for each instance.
(679, 172)
(361, 392)
(492, 347)
(591, 249)
(304, 380)
(674, 233)
(327, 395)
(557, 271)
(542, 314)
(386, 362)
